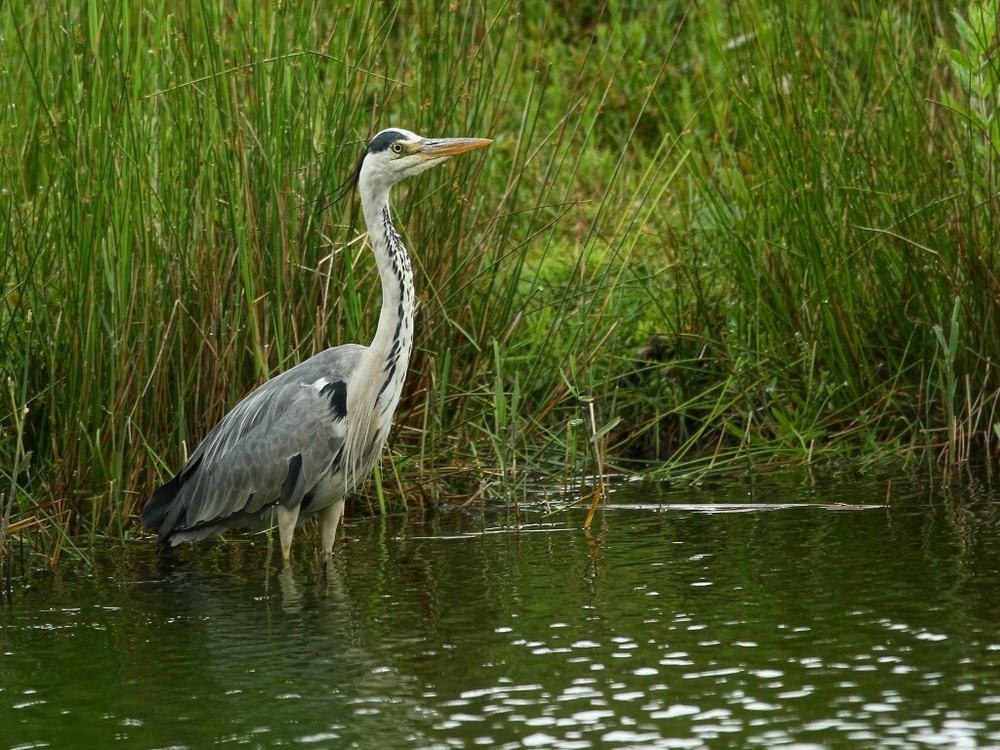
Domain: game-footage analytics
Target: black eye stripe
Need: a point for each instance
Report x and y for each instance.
(384, 140)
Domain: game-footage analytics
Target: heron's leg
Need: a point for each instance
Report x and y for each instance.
(287, 518)
(329, 520)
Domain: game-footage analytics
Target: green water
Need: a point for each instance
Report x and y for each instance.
(668, 627)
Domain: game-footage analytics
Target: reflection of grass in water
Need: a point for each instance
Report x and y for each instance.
(705, 239)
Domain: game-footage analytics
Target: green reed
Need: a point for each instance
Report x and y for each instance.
(705, 238)
(849, 230)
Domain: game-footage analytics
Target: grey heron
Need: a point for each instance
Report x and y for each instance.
(295, 446)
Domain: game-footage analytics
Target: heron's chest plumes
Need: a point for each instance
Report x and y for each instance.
(397, 314)
(377, 385)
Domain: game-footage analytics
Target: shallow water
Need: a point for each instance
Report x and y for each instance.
(676, 622)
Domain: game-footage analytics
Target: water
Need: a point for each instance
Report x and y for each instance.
(689, 627)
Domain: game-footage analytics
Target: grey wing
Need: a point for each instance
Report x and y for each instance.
(274, 446)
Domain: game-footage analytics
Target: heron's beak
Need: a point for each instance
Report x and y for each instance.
(441, 148)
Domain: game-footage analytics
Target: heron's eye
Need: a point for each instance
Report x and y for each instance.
(397, 148)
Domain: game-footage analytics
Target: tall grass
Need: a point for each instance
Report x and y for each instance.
(706, 236)
(852, 232)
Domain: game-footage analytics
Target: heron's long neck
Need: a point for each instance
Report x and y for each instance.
(390, 349)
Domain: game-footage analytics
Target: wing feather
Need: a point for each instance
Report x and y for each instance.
(275, 445)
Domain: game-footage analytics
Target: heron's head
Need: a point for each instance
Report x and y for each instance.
(395, 154)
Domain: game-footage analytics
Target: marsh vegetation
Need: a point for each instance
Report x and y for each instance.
(708, 237)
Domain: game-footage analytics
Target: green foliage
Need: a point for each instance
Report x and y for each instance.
(976, 65)
(707, 236)
(833, 195)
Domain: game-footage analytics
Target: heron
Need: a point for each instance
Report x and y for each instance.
(298, 444)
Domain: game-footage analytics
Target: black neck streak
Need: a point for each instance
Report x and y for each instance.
(402, 337)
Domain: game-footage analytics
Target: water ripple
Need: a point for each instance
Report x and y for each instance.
(678, 629)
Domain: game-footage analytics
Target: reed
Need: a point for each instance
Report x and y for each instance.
(705, 238)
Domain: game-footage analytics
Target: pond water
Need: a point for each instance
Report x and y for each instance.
(678, 621)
